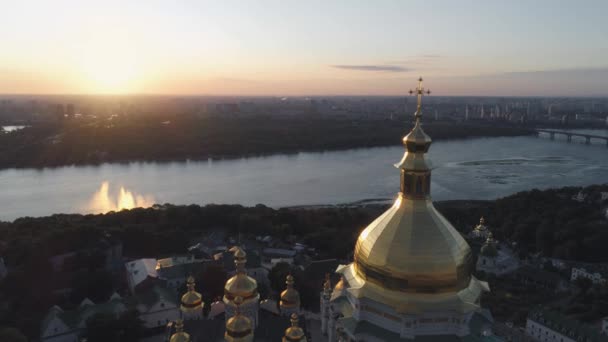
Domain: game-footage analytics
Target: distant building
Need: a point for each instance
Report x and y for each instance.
(142, 275)
(171, 272)
(481, 231)
(595, 276)
(157, 306)
(68, 326)
(542, 279)
(554, 327)
(494, 260)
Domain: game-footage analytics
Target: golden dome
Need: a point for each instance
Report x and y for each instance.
(239, 326)
(411, 257)
(294, 333)
(179, 335)
(191, 300)
(240, 284)
(290, 297)
(413, 248)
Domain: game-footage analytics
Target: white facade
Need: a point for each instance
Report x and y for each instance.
(158, 309)
(542, 333)
(61, 326)
(140, 270)
(595, 277)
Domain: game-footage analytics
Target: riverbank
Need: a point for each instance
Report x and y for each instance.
(187, 138)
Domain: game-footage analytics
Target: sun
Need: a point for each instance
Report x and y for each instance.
(110, 73)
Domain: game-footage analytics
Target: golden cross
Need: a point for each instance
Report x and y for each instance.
(419, 92)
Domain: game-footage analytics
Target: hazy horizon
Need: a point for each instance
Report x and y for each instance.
(283, 48)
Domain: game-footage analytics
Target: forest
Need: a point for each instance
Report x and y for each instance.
(189, 137)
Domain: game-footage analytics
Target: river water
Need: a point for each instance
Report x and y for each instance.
(484, 168)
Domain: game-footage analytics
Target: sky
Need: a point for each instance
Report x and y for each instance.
(284, 47)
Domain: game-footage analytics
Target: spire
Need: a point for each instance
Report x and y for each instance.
(415, 172)
(190, 283)
(327, 285)
(294, 333)
(419, 92)
(240, 258)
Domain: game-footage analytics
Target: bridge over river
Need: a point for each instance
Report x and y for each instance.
(569, 135)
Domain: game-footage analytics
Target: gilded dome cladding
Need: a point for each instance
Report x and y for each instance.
(413, 248)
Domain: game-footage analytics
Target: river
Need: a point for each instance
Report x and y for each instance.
(484, 168)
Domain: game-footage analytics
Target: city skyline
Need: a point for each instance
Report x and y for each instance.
(313, 48)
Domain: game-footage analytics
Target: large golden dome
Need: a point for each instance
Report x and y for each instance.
(240, 285)
(413, 248)
(411, 258)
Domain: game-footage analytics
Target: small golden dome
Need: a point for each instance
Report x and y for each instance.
(240, 284)
(191, 300)
(290, 297)
(239, 326)
(294, 333)
(179, 335)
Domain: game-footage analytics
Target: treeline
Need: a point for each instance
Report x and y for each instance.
(549, 222)
(182, 137)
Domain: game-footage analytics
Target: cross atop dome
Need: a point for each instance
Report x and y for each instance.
(420, 91)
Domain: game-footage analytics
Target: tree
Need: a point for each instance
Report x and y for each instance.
(8, 334)
(103, 327)
(584, 284)
(277, 276)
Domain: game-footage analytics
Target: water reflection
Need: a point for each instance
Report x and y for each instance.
(103, 201)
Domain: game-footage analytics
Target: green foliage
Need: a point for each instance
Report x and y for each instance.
(549, 222)
(8, 334)
(106, 327)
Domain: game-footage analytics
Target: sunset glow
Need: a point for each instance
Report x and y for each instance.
(303, 48)
(104, 201)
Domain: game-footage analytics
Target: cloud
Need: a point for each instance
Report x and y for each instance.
(386, 68)
(431, 56)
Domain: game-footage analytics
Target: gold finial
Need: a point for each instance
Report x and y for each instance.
(419, 92)
(240, 258)
(289, 281)
(179, 325)
(190, 283)
(294, 320)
